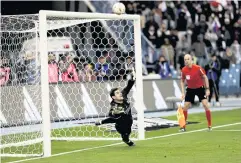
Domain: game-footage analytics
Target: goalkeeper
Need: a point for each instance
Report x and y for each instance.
(120, 111)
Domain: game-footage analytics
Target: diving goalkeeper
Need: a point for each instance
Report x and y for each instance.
(120, 111)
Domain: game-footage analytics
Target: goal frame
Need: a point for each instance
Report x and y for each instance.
(43, 15)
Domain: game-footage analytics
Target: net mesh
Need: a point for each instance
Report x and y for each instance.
(84, 62)
(86, 74)
(20, 89)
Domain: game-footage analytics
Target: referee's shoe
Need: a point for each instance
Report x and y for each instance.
(182, 130)
(209, 128)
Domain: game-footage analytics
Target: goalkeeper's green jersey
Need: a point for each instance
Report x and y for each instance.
(123, 108)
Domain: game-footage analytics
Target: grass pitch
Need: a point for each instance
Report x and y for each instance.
(221, 145)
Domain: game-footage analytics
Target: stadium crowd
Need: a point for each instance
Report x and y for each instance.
(200, 28)
(208, 30)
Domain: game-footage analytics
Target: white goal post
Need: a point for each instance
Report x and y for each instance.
(43, 15)
(63, 99)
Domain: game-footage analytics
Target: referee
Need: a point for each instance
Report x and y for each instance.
(197, 84)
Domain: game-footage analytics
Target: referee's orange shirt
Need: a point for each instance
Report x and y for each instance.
(193, 76)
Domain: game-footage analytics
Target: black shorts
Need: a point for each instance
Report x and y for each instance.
(190, 94)
(123, 124)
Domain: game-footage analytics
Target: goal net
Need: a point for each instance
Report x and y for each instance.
(57, 69)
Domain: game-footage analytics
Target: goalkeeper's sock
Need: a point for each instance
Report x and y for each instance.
(208, 115)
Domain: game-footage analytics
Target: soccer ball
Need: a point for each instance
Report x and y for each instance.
(119, 8)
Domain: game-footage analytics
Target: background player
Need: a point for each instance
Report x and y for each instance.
(120, 111)
(197, 84)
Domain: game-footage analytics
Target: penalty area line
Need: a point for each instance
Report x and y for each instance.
(104, 146)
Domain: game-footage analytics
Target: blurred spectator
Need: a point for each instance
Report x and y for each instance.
(215, 24)
(167, 51)
(129, 65)
(84, 69)
(158, 16)
(153, 55)
(173, 40)
(228, 30)
(206, 9)
(182, 20)
(169, 15)
(151, 34)
(162, 33)
(4, 71)
(162, 68)
(221, 44)
(184, 44)
(213, 71)
(79, 62)
(53, 69)
(226, 35)
(200, 28)
(149, 23)
(199, 48)
(236, 50)
(230, 56)
(130, 9)
(68, 69)
(32, 68)
(102, 69)
(212, 37)
(87, 73)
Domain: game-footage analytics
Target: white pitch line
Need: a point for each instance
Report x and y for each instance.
(204, 129)
(104, 146)
(229, 130)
